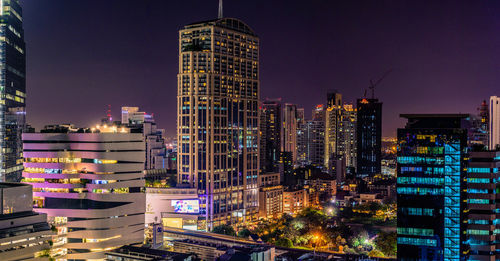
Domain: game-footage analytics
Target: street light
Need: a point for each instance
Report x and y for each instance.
(315, 244)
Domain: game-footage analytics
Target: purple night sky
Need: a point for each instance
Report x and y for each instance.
(84, 55)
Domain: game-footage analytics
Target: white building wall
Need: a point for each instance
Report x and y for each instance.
(494, 121)
(97, 181)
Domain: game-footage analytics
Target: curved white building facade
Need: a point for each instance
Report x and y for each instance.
(91, 186)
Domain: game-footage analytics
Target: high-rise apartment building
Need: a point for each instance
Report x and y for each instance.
(346, 145)
(315, 137)
(270, 138)
(483, 216)
(90, 184)
(218, 115)
(289, 133)
(332, 124)
(431, 187)
(494, 122)
(24, 234)
(142, 122)
(12, 89)
(369, 137)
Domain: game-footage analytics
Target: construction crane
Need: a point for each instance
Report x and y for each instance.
(374, 84)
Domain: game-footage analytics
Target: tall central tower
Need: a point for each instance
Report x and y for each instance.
(217, 119)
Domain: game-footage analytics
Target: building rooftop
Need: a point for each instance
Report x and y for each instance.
(435, 121)
(11, 185)
(143, 253)
(434, 115)
(228, 23)
(70, 128)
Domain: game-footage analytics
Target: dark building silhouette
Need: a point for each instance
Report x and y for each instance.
(369, 137)
(270, 140)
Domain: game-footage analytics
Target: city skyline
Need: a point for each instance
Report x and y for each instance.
(277, 130)
(436, 53)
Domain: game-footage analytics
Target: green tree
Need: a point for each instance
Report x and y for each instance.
(284, 242)
(310, 219)
(375, 253)
(244, 233)
(387, 243)
(224, 230)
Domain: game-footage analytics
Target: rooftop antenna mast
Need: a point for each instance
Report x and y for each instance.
(220, 10)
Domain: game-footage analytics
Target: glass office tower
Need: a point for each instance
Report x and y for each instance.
(217, 123)
(12, 89)
(369, 137)
(431, 187)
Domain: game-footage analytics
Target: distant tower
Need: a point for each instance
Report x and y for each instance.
(108, 119)
(108, 113)
(494, 122)
(220, 10)
(289, 130)
(332, 119)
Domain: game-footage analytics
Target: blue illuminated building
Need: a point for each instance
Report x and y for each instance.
(483, 189)
(431, 187)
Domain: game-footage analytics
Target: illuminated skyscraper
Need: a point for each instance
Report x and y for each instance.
(218, 115)
(369, 137)
(332, 124)
(431, 187)
(346, 145)
(315, 137)
(12, 89)
(494, 122)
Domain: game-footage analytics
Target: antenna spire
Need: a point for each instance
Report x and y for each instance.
(220, 9)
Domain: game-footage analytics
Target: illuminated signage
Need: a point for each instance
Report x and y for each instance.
(190, 206)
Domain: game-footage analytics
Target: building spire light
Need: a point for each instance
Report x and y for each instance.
(220, 10)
